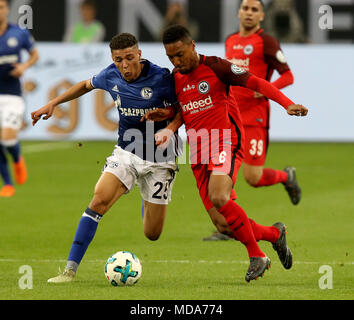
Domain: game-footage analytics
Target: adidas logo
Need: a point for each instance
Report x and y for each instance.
(115, 88)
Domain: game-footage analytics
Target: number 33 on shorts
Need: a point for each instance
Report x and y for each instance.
(256, 147)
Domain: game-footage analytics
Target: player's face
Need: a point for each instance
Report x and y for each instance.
(4, 11)
(182, 55)
(128, 62)
(88, 13)
(250, 14)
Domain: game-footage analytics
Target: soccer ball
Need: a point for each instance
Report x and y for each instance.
(123, 268)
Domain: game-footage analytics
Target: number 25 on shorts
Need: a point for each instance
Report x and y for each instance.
(158, 194)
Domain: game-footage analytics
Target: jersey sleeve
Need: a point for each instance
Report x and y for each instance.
(268, 90)
(273, 55)
(27, 40)
(170, 98)
(228, 73)
(99, 81)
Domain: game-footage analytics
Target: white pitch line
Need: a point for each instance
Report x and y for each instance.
(176, 261)
(40, 147)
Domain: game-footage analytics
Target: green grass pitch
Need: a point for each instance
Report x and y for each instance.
(37, 227)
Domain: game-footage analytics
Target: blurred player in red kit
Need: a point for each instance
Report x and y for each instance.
(259, 53)
(215, 137)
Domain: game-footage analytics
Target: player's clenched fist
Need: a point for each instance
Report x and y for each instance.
(163, 138)
(159, 114)
(297, 110)
(46, 110)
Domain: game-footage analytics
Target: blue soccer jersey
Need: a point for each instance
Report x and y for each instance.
(153, 89)
(12, 42)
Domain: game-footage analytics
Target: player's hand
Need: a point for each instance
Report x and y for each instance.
(258, 95)
(163, 138)
(18, 70)
(47, 110)
(158, 114)
(297, 110)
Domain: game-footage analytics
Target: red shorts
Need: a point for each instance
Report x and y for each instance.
(256, 145)
(232, 163)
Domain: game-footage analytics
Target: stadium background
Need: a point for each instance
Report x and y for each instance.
(38, 223)
(321, 61)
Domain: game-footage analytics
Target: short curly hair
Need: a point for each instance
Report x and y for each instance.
(176, 33)
(122, 41)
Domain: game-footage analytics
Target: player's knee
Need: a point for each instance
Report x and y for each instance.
(218, 200)
(99, 203)
(252, 179)
(9, 136)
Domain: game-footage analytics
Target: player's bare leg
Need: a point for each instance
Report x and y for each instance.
(223, 232)
(252, 174)
(10, 140)
(8, 134)
(220, 223)
(258, 176)
(154, 218)
(220, 186)
(9, 143)
(107, 191)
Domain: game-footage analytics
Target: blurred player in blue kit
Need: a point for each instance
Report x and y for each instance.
(137, 86)
(13, 40)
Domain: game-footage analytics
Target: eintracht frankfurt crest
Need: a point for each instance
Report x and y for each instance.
(203, 87)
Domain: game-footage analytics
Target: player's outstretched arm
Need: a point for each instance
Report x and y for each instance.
(273, 93)
(159, 114)
(72, 93)
(285, 79)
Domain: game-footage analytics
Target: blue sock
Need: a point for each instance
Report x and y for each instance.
(4, 169)
(15, 151)
(142, 209)
(84, 234)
